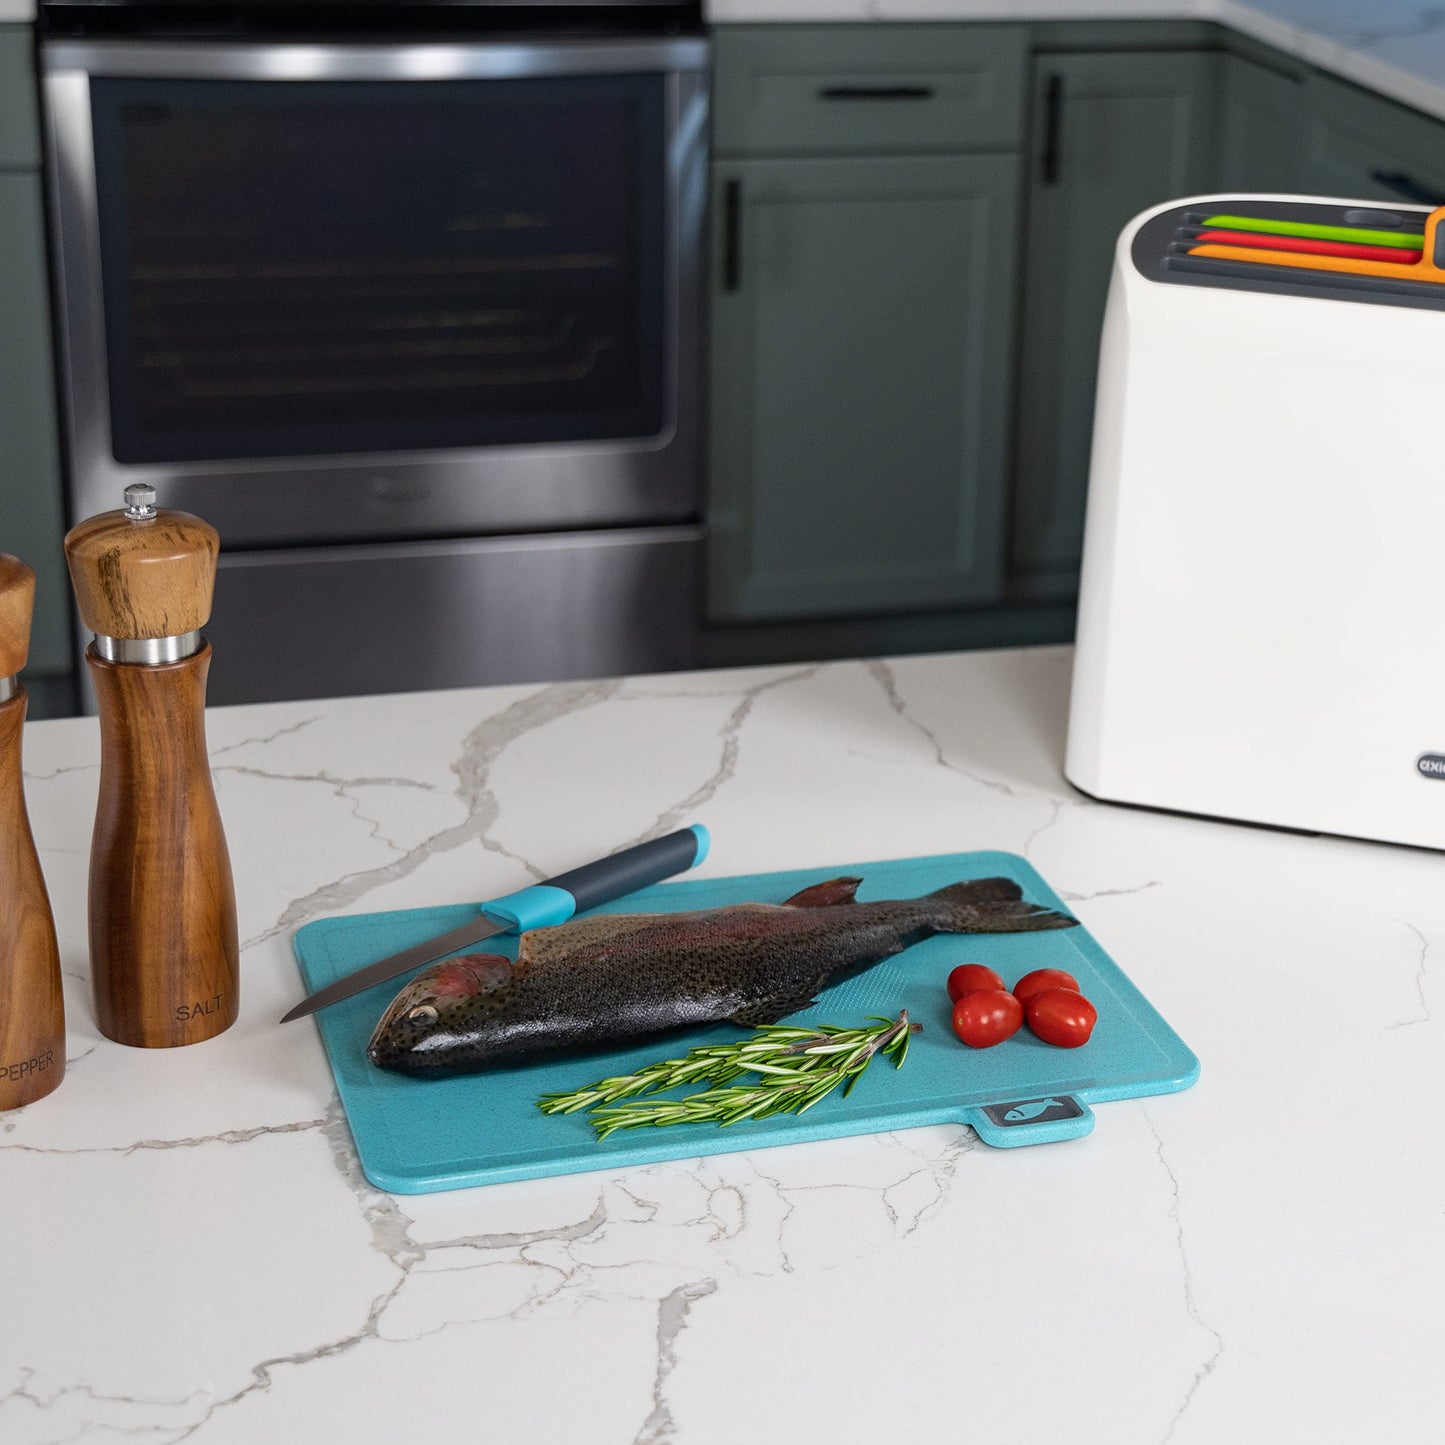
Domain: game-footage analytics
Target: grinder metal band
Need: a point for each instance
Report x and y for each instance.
(151, 650)
(9, 686)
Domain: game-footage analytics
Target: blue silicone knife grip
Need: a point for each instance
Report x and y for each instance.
(633, 868)
(539, 906)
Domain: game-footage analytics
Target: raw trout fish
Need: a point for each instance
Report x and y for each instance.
(612, 979)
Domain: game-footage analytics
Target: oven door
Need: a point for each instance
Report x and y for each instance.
(320, 293)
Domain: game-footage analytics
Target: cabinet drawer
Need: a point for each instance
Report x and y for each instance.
(1362, 147)
(19, 129)
(859, 88)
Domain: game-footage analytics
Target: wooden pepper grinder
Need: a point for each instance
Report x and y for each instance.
(163, 948)
(32, 1007)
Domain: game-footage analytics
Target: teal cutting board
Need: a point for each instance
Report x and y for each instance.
(415, 1136)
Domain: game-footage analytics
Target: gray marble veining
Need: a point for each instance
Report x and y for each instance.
(195, 1254)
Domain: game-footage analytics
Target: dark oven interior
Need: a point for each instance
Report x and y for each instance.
(407, 302)
(337, 267)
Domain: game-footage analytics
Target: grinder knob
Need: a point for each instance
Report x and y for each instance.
(17, 604)
(143, 572)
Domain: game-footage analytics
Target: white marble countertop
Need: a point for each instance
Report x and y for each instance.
(190, 1252)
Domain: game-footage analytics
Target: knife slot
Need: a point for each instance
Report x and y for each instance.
(1429, 293)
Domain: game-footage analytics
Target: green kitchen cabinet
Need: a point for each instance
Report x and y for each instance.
(19, 119)
(31, 524)
(1359, 146)
(1114, 133)
(1259, 127)
(31, 508)
(861, 362)
(865, 213)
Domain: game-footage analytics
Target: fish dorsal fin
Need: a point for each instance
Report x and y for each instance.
(981, 890)
(831, 894)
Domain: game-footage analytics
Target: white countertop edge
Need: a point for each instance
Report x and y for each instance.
(1330, 55)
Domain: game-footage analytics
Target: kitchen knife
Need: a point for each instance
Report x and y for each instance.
(539, 906)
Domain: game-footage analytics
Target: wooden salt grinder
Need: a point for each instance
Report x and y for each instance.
(32, 1007)
(164, 955)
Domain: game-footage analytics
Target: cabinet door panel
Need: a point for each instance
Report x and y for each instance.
(1126, 132)
(861, 374)
(30, 503)
(19, 122)
(1360, 147)
(1259, 131)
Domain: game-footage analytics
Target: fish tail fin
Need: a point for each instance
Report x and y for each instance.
(995, 905)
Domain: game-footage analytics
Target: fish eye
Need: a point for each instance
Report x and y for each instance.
(421, 1015)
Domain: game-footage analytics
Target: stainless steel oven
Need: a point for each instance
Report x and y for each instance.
(415, 323)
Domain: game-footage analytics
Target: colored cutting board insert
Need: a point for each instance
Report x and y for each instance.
(1303, 246)
(1360, 235)
(417, 1136)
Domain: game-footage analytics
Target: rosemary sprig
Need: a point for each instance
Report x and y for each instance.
(797, 1068)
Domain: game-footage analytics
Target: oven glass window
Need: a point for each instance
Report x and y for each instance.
(299, 268)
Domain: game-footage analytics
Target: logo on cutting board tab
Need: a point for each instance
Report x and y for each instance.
(1431, 765)
(1033, 1111)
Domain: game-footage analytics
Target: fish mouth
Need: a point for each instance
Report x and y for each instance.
(398, 1061)
(397, 1043)
(389, 1053)
(428, 1058)
(423, 1027)
(423, 1056)
(383, 1040)
(412, 1037)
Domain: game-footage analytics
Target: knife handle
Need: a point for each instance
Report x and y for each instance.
(556, 900)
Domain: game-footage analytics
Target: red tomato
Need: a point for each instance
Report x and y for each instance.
(1040, 979)
(972, 978)
(987, 1017)
(1062, 1016)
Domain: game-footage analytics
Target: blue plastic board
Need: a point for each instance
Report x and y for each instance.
(415, 1136)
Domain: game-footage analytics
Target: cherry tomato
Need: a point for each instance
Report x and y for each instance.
(1062, 1016)
(1040, 979)
(986, 1018)
(972, 978)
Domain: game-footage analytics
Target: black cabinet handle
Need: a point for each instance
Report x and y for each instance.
(732, 235)
(1406, 187)
(876, 92)
(1053, 128)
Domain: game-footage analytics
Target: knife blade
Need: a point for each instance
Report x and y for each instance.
(540, 906)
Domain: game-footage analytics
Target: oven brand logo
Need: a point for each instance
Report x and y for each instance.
(1431, 765)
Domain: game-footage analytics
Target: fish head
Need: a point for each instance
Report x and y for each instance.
(440, 1013)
